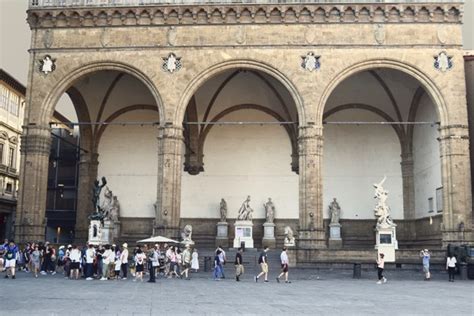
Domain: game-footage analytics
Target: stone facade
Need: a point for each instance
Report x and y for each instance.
(212, 38)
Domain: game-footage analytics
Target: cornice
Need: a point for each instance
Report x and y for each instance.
(212, 14)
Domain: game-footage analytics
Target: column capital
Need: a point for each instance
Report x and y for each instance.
(36, 140)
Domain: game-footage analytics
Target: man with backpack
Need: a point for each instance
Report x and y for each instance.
(263, 261)
(11, 253)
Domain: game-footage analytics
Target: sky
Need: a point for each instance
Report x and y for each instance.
(15, 36)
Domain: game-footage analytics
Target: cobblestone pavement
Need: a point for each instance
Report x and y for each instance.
(313, 292)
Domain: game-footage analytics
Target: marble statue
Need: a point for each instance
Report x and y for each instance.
(110, 206)
(187, 234)
(334, 211)
(381, 210)
(289, 237)
(269, 211)
(98, 212)
(223, 210)
(245, 211)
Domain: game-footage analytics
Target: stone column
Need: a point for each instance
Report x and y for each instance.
(408, 176)
(311, 230)
(457, 199)
(31, 208)
(88, 166)
(170, 147)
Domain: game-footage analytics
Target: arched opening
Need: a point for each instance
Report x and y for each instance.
(116, 116)
(383, 122)
(240, 131)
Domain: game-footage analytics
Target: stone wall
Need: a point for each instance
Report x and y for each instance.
(469, 68)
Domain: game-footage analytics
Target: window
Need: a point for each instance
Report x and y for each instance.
(14, 104)
(4, 100)
(1, 153)
(430, 205)
(9, 188)
(11, 158)
(439, 199)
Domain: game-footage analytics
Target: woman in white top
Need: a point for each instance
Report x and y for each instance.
(124, 261)
(451, 266)
(75, 257)
(195, 261)
(140, 259)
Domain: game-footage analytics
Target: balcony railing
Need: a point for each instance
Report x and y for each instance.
(132, 3)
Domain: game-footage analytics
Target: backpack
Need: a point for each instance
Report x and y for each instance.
(260, 258)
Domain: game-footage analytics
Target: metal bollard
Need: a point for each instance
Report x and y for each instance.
(463, 271)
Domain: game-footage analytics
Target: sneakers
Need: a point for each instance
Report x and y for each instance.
(54, 272)
(287, 282)
(13, 277)
(124, 278)
(255, 278)
(379, 282)
(384, 280)
(89, 279)
(103, 279)
(6, 277)
(278, 280)
(266, 281)
(43, 273)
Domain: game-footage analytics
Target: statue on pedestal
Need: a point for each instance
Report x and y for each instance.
(289, 237)
(334, 211)
(111, 206)
(381, 210)
(186, 235)
(245, 211)
(223, 210)
(269, 211)
(98, 212)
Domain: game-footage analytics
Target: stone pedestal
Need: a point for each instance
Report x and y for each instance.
(222, 238)
(291, 257)
(335, 240)
(269, 235)
(243, 233)
(101, 233)
(386, 242)
(116, 231)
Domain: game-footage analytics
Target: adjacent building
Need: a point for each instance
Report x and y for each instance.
(12, 111)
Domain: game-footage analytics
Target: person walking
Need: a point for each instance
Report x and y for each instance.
(124, 261)
(451, 266)
(217, 266)
(11, 253)
(195, 261)
(222, 258)
(284, 266)
(239, 265)
(35, 260)
(263, 261)
(117, 263)
(186, 258)
(425, 255)
(154, 258)
(75, 257)
(380, 267)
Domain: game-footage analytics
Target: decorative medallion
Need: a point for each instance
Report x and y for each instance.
(442, 34)
(310, 62)
(379, 33)
(310, 34)
(171, 36)
(443, 62)
(241, 35)
(47, 64)
(48, 38)
(105, 37)
(171, 63)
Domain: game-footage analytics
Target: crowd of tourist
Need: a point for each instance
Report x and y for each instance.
(111, 262)
(107, 262)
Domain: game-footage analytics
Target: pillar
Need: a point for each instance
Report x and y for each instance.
(408, 177)
(167, 207)
(311, 230)
(88, 166)
(31, 208)
(457, 199)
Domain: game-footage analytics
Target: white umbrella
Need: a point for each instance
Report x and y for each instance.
(158, 239)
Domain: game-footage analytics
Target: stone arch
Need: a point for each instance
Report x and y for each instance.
(214, 70)
(67, 81)
(430, 87)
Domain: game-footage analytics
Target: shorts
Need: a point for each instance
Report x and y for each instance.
(35, 264)
(284, 268)
(139, 268)
(187, 265)
(10, 263)
(74, 265)
(426, 268)
(264, 267)
(239, 269)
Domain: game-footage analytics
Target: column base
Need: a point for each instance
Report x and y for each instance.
(29, 233)
(457, 238)
(335, 243)
(312, 239)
